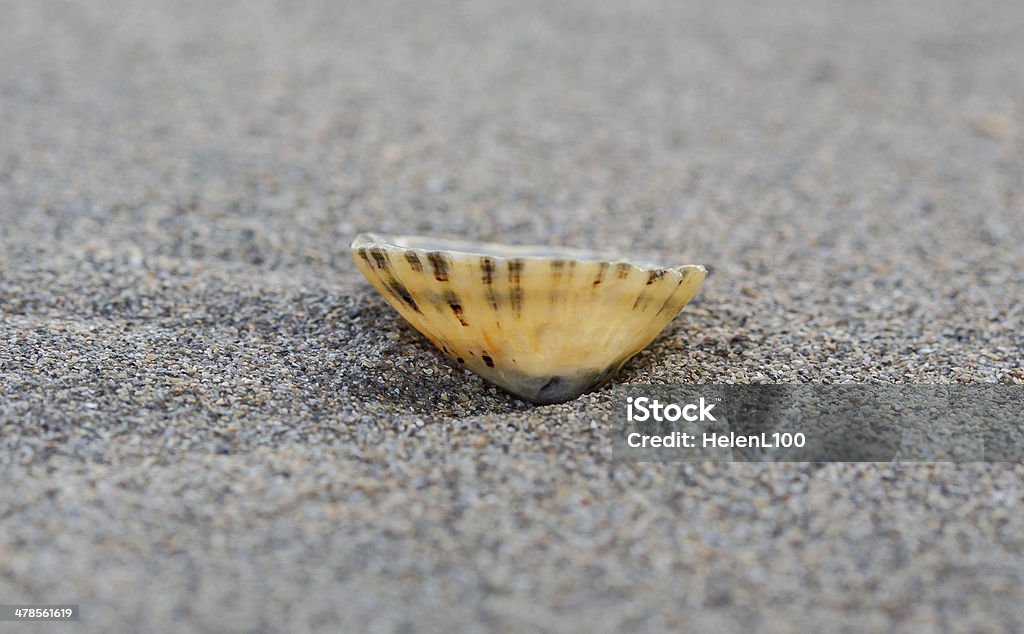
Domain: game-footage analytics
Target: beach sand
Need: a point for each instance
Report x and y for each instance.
(210, 422)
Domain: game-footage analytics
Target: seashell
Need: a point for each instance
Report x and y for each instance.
(545, 323)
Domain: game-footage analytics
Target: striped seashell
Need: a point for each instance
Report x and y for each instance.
(545, 323)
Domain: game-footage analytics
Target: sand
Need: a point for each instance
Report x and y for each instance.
(210, 422)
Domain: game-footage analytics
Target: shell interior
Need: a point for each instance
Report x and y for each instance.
(545, 323)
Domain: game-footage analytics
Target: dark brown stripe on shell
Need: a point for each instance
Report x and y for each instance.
(515, 271)
(623, 270)
(488, 360)
(557, 266)
(414, 261)
(455, 304)
(654, 276)
(363, 254)
(516, 299)
(600, 273)
(380, 258)
(440, 266)
(487, 264)
(402, 293)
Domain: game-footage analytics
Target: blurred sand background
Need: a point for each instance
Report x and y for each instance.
(210, 422)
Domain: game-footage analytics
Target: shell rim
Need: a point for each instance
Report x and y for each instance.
(370, 240)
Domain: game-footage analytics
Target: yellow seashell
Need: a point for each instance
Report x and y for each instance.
(545, 323)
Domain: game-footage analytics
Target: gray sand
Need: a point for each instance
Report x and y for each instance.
(209, 421)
